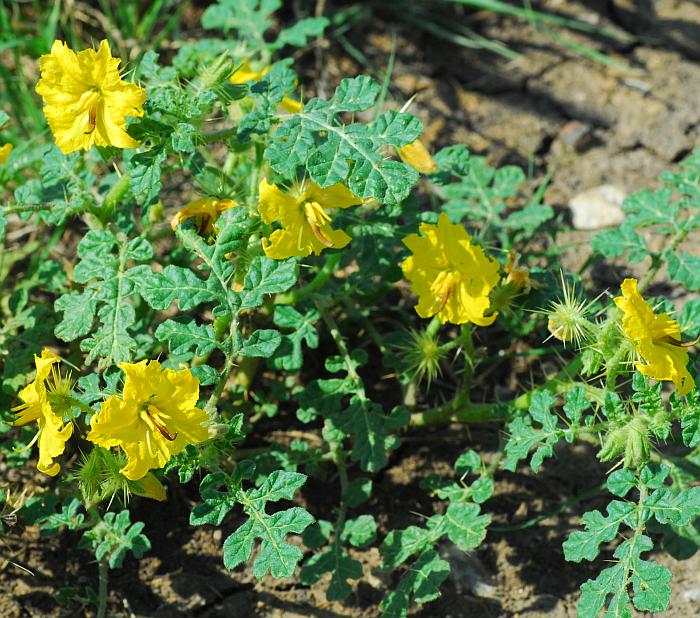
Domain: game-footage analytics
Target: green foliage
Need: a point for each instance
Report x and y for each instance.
(109, 278)
(220, 493)
(331, 152)
(111, 273)
(114, 536)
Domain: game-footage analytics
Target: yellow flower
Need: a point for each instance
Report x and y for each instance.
(5, 153)
(156, 418)
(53, 433)
(206, 211)
(418, 157)
(86, 99)
(302, 212)
(451, 277)
(657, 339)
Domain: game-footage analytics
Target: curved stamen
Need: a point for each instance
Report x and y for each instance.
(680, 344)
(154, 415)
(315, 217)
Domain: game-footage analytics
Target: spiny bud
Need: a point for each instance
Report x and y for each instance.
(422, 355)
(567, 318)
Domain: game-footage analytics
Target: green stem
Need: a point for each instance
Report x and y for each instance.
(657, 261)
(319, 280)
(102, 589)
(460, 409)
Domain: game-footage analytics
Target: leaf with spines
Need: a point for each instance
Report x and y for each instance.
(649, 581)
(623, 240)
(185, 336)
(599, 528)
(351, 154)
(105, 268)
(276, 555)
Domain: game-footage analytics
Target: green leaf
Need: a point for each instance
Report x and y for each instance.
(524, 437)
(400, 545)
(78, 315)
(184, 336)
(684, 268)
(358, 491)
(422, 582)
(289, 355)
(114, 536)
(275, 555)
(621, 482)
(651, 591)
(482, 192)
(621, 240)
(647, 207)
(109, 282)
(465, 526)
(355, 94)
(689, 318)
(674, 506)
(174, 283)
(262, 343)
(216, 504)
(585, 544)
(351, 154)
(250, 19)
(360, 531)
(576, 404)
(145, 171)
(300, 32)
(368, 427)
(337, 562)
(266, 276)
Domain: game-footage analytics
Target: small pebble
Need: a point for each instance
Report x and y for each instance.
(598, 207)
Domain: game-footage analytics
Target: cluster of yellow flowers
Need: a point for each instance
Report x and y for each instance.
(155, 418)
(87, 102)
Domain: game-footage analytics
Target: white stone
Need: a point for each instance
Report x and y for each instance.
(598, 207)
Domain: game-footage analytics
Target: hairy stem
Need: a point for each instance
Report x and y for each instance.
(102, 589)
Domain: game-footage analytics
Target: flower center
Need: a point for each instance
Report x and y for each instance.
(155, 419)
(317, 217)
(88, 103)
(443, 287)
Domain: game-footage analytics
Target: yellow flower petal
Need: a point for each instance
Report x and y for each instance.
(245, 74)
(335, 196)
(654, 336)
(53, 433)
(291, 106)
(149, 487)
(451, 277)
(53, 436)
(418, 157)
(276, 205)
(5, 153)
(86, 101)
